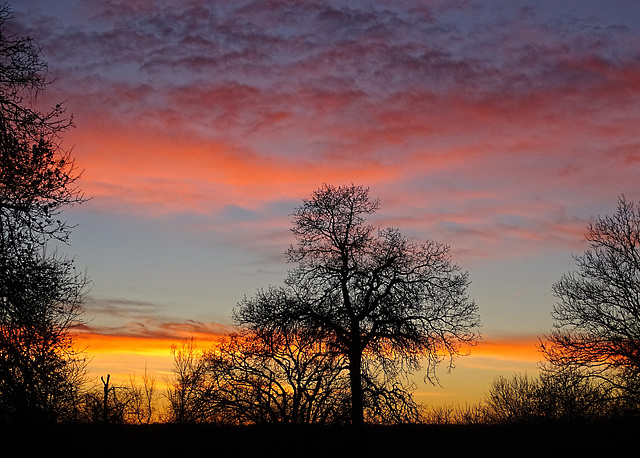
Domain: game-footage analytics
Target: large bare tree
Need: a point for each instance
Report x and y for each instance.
(380, 299)
(597, 317)
(41, 295)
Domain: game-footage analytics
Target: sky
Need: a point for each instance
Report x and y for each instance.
(501, 128)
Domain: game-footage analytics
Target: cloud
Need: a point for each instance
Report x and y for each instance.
(118, 307)
(500, 128)
(480, 122)
(150, 329)
(123, 351)
(514, 348)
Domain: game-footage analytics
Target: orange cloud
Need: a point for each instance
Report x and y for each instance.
(150, 335)
(152, 170)
(515, 348)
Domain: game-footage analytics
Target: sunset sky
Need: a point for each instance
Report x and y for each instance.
(501, 128)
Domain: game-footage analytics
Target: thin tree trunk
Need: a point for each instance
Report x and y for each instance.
(357, 394)
(105, 399)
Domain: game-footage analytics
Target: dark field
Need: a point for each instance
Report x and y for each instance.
(393, 441)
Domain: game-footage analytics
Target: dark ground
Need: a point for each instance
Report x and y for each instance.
(393, 441)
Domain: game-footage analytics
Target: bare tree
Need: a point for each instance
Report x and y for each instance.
(597, 318)
(132, 402)
(280, 377)
(111, 403)
(372, 295)
(144, 399)
(189, 392)
(41, 296)
(512, 400)
(37, 176)
(42, 299)
(552, 396)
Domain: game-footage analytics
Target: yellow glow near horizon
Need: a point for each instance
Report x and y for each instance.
(125, 357)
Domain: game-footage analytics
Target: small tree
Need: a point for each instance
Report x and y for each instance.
(189, 392)
(144, 395)
(374, 296)
(290, 378)
(129, 403)
(512, 400)
(597, 318)
(552, 396)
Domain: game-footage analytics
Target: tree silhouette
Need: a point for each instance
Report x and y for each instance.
(41, 295)
(550, 397)
(377, 298)
(190, 390)
(41, 300)
(597, 318)
(37, 176)
(290, 378)
(130, 403)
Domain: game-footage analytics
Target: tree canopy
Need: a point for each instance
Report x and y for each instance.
(41, 295)
(37, 176)
(597, 317)
(381, 299)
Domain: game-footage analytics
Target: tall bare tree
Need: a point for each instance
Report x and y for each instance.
(374, 295)
(41, 295)
(597, 317)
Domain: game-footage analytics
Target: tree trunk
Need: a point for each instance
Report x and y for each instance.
(357, 394)
(105, 399)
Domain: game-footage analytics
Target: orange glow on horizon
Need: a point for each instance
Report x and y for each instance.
(511, 348)
(521, 348)
(105, 343)
(129, 356)
(474, 374)
(124, 357)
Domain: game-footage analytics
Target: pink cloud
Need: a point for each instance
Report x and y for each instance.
(491, 131)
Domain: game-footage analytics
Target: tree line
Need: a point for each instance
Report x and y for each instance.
(363, 309)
